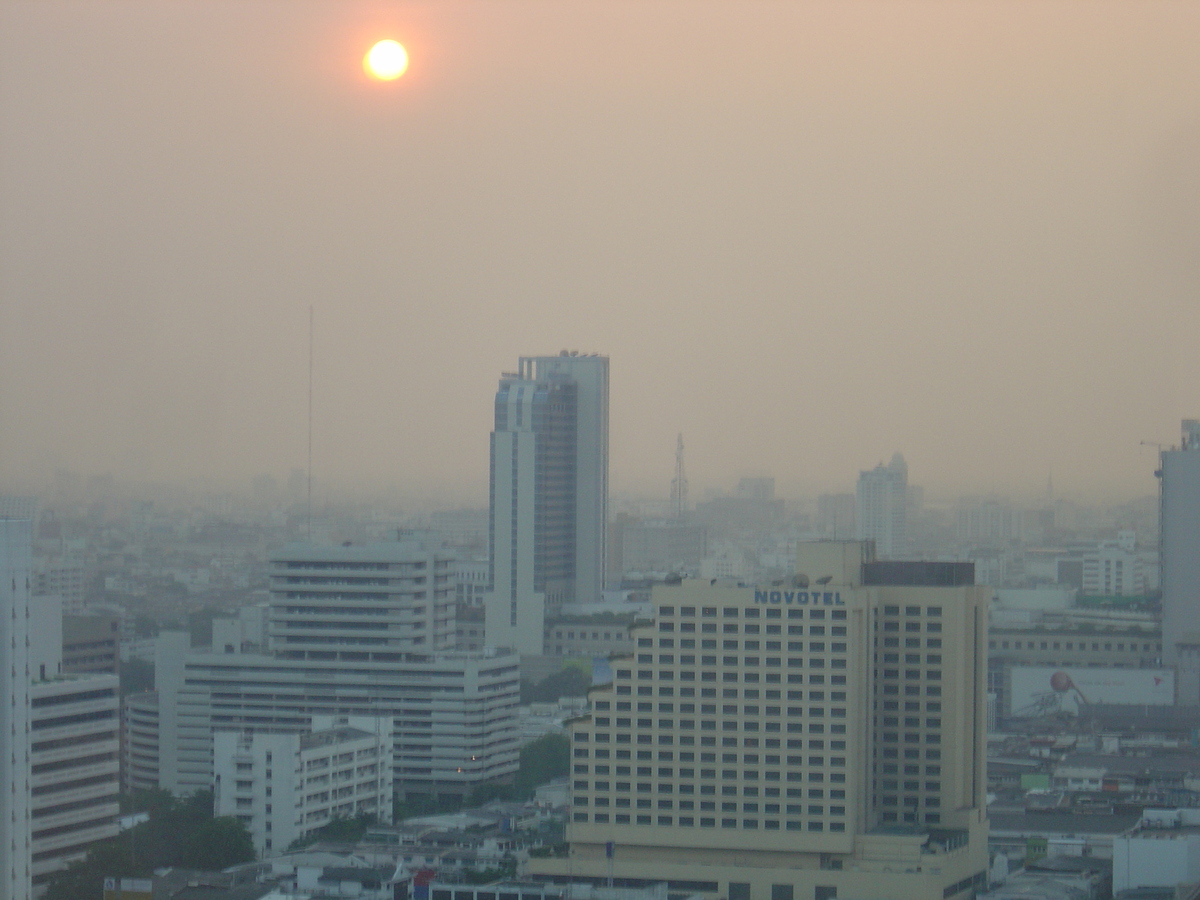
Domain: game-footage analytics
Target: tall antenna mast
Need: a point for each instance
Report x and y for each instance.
(310, 419)
(679, 485)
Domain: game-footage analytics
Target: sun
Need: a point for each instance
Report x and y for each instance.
(386, 61)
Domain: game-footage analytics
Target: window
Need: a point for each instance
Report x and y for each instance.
(782, 891)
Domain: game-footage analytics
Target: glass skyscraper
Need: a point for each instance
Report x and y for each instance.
(549, 495)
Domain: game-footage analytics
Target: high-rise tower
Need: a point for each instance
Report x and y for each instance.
(1179, 555)
(16, 572)
(881, 507)
(549, 494)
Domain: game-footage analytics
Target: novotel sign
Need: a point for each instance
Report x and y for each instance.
(801, 598)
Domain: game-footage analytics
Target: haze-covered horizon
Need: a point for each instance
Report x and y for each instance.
(807, 236)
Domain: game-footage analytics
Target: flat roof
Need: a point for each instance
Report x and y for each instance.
(332, 736)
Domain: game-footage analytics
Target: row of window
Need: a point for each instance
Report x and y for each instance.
(913, 627)
(687, 644)
(596, 635)
(709, 790)
(728, 709)
(749, 759)
(911, 643)
(791, 809)
(603, 706)
(732, 629)
(931, 611)
(666, 755)
(754, 612)
(1070, 645)
(709, 822)
(625, 690)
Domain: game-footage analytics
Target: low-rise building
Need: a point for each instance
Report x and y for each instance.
(285, 786)
(1162, 850)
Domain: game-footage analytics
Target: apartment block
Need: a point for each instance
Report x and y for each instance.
(285, 786)
(74, 769)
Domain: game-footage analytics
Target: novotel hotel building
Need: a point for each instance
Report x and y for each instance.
(820, 738)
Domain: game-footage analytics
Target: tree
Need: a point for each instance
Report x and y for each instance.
(570, 681)
(349, 829)
(542, 760)
(137, 676)
(180, 832)
(215, 845)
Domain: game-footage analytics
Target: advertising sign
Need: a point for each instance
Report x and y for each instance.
(1045, 690)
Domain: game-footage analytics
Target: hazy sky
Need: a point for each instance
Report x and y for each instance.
(806, 234)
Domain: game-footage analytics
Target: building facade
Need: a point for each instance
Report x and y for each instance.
(881, 507)
(75, 764)
(548, 510)
(139, 744)
(1179, 543)
(91, 644)
(368, 602)
(793, 742)
(285, 786)
(454, 714)
(16, 573)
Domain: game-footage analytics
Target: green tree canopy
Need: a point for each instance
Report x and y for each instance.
(180, 832)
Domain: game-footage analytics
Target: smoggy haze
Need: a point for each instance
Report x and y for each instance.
(807, 235)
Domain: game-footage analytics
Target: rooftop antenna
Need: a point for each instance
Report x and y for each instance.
(310, 420)
(679, 485)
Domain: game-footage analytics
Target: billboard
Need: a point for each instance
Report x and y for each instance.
(1046, 690)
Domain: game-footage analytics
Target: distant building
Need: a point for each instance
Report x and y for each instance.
(91, 644)
(285, 786)
(1114, 568)
(139, 745)
(987, 523)
(472, 582)
(815, 739)
(549, 495)
(881, 508)
(1179, 472)
(663, 545)
(835, 516)
(61, 576)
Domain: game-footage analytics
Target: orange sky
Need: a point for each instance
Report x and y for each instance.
(807, 235)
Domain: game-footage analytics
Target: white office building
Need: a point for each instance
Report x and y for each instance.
(881, 507)
(75, 769)
(285, 786)
(454, 714)
(351, 631)
(1114, 568)
(16, 564)
(547, 528)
